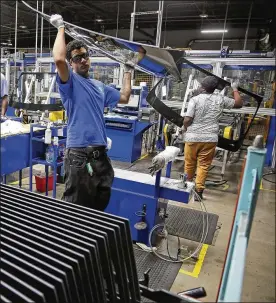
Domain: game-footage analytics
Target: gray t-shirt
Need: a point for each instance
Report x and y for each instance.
(206, 109)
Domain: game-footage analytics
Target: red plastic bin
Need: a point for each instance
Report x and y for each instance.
(41, 183)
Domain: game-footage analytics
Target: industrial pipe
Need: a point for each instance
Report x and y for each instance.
(118, 13)
(41, 30)
(226, 14)
(132, 22)
(247, 28)
(159, 24)
(191, 42)
(36, 31)
(36, 41)
(15, 41)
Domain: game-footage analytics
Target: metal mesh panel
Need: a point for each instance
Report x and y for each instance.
(254, 80)
(143, 77)
(178, 90)
(257, 129)
(105, 73)
(14, 70)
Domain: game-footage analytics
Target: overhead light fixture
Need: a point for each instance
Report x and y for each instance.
(22, 26)
(211, 31)
(99, 20)
(4, 43)
(203, 15)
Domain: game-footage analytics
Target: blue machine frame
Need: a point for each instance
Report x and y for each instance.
(127, 141)
(270, 142)
(15, 154)
(125, 128)
(232, 280)
(136, 196)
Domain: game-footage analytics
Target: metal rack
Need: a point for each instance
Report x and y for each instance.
(40, 159)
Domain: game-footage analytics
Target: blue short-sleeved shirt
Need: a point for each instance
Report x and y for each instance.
(84, 100)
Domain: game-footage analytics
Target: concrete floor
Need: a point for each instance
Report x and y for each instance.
(259, 281)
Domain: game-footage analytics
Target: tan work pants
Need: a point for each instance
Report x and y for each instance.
(199, 155)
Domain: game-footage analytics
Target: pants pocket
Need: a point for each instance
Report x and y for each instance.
(76, 160)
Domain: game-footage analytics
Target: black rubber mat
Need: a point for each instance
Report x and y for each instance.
(187, 223)
(162, 274)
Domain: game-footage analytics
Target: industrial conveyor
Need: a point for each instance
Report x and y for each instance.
(143, 198)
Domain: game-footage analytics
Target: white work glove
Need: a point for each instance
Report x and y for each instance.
(196, 91)
(57, 21)
(128, 69)
(3, 118)
(235, 85)
(109, 143)
(157, 164)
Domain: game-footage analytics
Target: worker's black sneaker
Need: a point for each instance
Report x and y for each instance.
(198, 196)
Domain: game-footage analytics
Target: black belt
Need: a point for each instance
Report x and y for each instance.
(91, 151)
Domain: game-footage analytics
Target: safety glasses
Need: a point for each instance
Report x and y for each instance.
(78, 58)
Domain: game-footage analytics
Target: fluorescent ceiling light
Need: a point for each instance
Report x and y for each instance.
(203, 15)
(207, 31)
(99, 20)
(22, 26)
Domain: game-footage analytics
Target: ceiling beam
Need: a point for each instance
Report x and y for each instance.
(19, 9)
(141, 31)
(94, 9)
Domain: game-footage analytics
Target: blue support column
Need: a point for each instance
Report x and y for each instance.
(270, 141)
(168, 169)
(47, 178)
(30, 160)
(157, 184)
(271, 138)
(55, 170)
(20, 178)
(232, 280)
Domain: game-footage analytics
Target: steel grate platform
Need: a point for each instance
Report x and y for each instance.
(162, 274)
(187, 223)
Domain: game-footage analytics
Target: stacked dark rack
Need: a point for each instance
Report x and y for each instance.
(53, 251)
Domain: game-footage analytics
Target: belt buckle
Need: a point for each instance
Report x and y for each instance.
(96, 154)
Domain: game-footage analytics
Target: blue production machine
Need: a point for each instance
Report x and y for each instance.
(126, 124)
(142, 199)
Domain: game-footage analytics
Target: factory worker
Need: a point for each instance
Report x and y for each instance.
(4, 95)
(88, 170)
(201, 126)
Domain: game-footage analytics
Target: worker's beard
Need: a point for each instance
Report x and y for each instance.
(82, 70)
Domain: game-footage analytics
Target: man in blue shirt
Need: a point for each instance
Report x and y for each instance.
(88, 171)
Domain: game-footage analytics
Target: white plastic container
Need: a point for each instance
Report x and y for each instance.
(48, 135)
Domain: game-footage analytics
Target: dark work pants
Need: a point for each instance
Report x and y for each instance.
(82, 188)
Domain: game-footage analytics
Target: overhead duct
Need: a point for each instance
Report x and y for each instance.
(193, 41)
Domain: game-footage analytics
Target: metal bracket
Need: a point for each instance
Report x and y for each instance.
(145, 13)
(145, 280)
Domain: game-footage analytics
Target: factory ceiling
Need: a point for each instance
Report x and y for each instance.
(102, 16)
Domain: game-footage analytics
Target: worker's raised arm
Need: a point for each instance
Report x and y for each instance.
(59, 49)
(237, 96)
(126, 87)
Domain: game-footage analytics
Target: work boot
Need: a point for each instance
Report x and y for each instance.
(200, 194)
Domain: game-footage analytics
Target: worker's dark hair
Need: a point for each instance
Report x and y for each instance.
(75, 44)
(209, 84)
